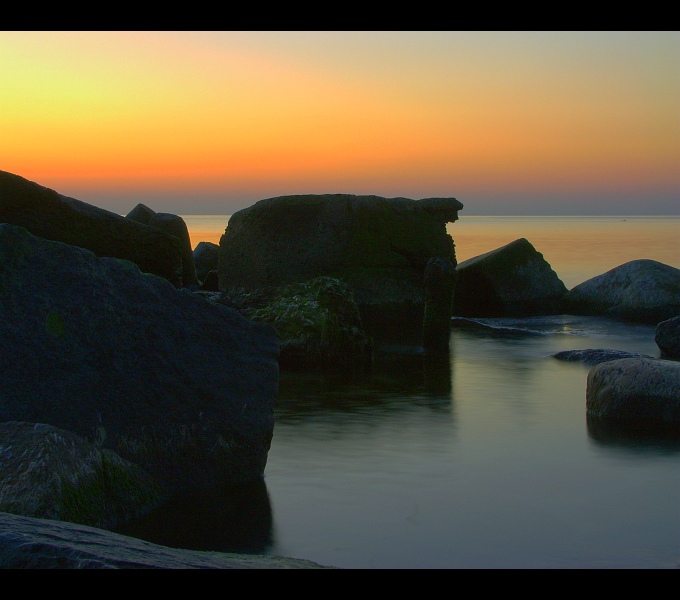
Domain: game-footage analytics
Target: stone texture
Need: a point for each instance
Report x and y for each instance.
(667, 337)
(50, 473)
(31, 543)
(512, 281)
(644, 291)
(50, 215)
(179, 385)
(378, 246)
(640, 394)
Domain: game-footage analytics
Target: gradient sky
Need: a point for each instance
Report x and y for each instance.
(210, 122)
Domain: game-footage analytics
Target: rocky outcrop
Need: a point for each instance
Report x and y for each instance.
(667, 337)
(512, 281)
(439, 282)
(141, 213)
(30, 543)
(378, 246)
(206, 259)
(167, 380)
(644, 291)
(636, 394)
(49, 215)
(175, 225)
(50, 473)
(595, 356)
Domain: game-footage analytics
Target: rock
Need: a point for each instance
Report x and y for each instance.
(30, 543)
(644, 291)
(175, 225)
(211, 282)
(181, 386)
(439, 281)
(512, 281)
(318, 322)
(595, 356)
(378, 246)
(49, 215)
(638, 394)
(667, 337)
(206, 257)
(141, 213)
(50, 473)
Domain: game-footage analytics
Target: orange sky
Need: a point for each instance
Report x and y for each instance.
(210, 122)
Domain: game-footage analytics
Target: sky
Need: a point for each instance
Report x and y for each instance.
(209, 122)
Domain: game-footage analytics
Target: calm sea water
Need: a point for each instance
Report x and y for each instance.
(483, 459)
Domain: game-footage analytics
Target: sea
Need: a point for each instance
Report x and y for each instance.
(482, 459)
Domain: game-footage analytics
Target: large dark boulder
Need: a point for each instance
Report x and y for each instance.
(639, 395)
(378, 246)
(179, 385)
(31, 543)
(50, 215)
(667, 337)
(511, 281)
(50, 473)
(644, 291)
(141, 213)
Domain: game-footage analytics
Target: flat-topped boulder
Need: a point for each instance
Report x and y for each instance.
(644, 291)
(181, 386)
(667, 337)
(635, 394)
(378, 246)
(511, 281)
(595, 356)
(50, 215)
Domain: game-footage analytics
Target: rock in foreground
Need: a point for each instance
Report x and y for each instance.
(667, 337)
(167, 380)
(30, 543)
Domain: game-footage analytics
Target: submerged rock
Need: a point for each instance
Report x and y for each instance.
(167, 380)
(512, 281)
(644, 291)
(378, 246)
(595, 356)
(51, 216)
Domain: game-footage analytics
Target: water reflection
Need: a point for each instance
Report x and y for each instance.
(234, 519)
(637, 441)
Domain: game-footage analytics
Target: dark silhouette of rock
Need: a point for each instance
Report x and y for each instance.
(439, 281)
(181, 386)
(378, 246)
(50, 215)
(206, 259)
(595, 356)
(211, 282)
(175, 225)
(487, 330)
(667, 337)
(30, 543)
(50, 473)
(141, 213)
(512, 281)
(637, 394)
(644, 291)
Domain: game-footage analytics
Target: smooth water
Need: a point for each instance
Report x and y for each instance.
(482, 459)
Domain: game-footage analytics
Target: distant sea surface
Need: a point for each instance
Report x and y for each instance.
(483, 459)
(577, 248)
